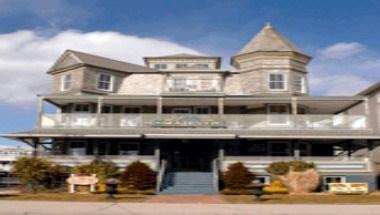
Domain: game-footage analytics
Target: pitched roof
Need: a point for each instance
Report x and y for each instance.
(268, 39)
(103, 62)
(369, 89)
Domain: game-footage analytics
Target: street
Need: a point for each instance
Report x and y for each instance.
(92, 208)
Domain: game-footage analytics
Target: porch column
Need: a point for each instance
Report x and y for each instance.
(221, 156)
(35, 147)
(99, 110)
(159, 106)
(157, 155)
(294, 111)
(40, 110)
(366, 111)
(220, 106)
(296, 150)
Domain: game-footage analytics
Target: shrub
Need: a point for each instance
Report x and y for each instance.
(275, 187)
(33, 171)
(297, 176)
(237, 177)
(139, 176)
(102, 169)
(283, 168)
(278, 168)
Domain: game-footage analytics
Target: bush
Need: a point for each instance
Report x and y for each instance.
(278, 168)
(237, 177)
(139, 176)
(283, 168)
(33, 171)
(275, 187)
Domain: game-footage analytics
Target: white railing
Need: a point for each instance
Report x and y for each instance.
(227, 121)
(161, 175)
(328, 164)
(119, 160)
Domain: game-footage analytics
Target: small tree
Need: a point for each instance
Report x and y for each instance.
(32, 171)
(139, 176)
(102, 169)
(237, 177)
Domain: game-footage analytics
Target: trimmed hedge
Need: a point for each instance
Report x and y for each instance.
(283, 168)
(237, 177)
(139, 176)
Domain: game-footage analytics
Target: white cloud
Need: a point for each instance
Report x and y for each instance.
(338, 85)
(342, 50)
(26, 55)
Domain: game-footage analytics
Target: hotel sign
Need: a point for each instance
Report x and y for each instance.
(82, 180)
(348, 188)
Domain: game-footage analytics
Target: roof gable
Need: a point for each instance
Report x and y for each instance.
(102, 62)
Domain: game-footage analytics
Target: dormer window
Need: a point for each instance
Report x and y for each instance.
(160, 66)
(66, 82)
(105, 82)
(277, 82)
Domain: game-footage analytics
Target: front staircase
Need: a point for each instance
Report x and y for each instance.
(188, 183)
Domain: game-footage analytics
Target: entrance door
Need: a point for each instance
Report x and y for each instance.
(195, 155)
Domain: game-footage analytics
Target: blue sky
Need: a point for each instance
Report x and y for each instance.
(342, 37)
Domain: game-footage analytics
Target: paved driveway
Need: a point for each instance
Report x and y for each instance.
(81, 208)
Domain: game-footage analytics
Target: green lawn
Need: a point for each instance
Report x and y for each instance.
(305, 199)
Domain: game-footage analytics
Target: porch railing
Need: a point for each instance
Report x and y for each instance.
(324, 164)
(227, 121)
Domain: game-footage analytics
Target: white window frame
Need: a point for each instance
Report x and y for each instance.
(285, 76)
(201, 107)
(180, 109)
(269, 113)
(112, 80)
(302, 80)
(64, 81)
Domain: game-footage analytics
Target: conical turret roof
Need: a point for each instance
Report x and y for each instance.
(268, 39)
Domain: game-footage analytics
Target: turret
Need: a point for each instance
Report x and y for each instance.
(270, 64)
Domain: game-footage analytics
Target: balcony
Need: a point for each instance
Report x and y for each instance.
(210, 121)
(192, 85)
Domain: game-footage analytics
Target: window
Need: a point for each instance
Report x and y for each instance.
(181, 66)
(202, 110)
(181, 110)
(131, 110)
(77, 148)
(263, 179)
(128, 148)
(105, 82)
(179, 84)
(160, 66)
(81, 108)
(66, 82)
(299, 84)
(277, 81)
(332, 179)
(279, 148)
